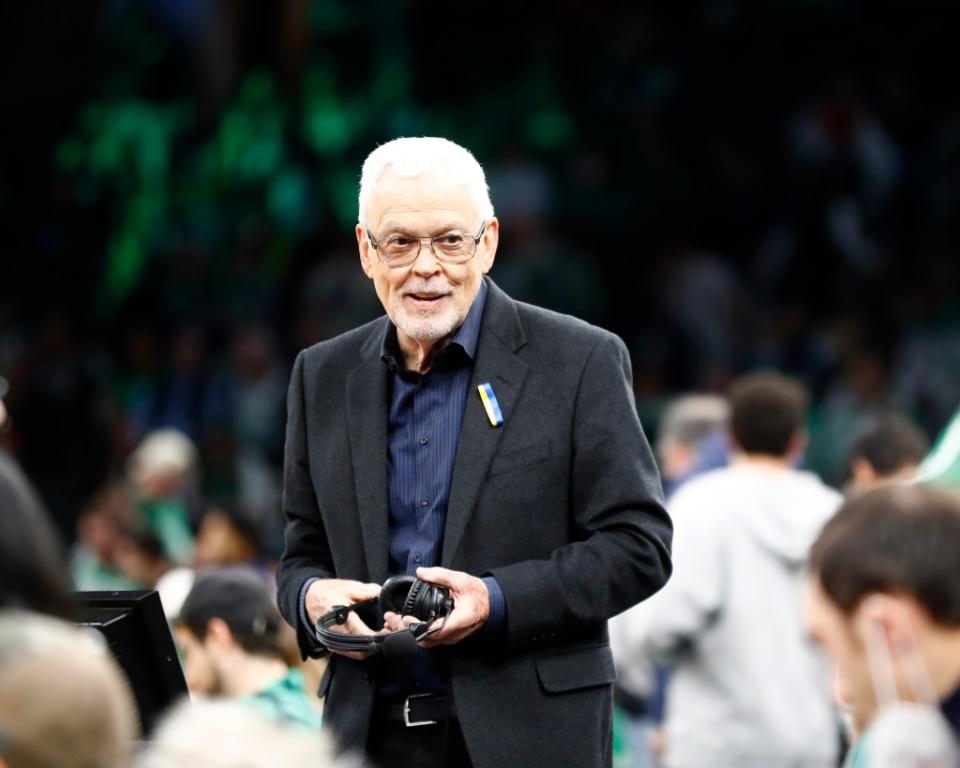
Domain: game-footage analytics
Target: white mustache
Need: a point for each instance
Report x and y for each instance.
(427, 290)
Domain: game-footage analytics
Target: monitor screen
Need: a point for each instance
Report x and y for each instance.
(135, 628)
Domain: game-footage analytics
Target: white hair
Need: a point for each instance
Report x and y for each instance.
(161, 452)
(226, 733)
(690, 418)
(64, 702)
(411, 157)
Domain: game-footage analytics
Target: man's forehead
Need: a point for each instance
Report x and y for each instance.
(420, 220)
(433, 192)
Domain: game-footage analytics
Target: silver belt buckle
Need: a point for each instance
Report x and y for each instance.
(406, 711)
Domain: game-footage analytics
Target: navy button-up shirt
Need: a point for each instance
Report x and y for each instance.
(423, 430)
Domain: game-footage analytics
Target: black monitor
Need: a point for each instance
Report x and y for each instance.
(135, 628)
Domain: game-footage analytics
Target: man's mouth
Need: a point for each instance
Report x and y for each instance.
(425, 297)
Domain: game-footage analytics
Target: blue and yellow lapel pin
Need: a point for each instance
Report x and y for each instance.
(490, 404)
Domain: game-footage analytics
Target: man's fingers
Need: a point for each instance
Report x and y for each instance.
(356, 626)
(392, 621)
(449, 635)
(442, 576)
(324, 594)
(456, 628)
(364, 592)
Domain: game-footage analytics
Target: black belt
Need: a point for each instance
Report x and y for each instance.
(420, 709)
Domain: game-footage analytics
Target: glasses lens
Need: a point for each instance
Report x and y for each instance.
(397, 248)
(454, 246)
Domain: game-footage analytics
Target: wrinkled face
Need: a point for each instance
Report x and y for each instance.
(199, 669)
(836, 634)
(426, 300)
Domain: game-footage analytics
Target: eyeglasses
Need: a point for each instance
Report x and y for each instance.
(402, 250)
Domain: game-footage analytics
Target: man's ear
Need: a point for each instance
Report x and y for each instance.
(862, 473)
(218, 632)
(489, 242)
(366, 251)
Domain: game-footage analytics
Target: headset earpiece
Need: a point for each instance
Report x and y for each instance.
(394, 594)
(415, 599)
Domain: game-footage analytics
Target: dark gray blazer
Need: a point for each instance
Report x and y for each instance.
(562, 504)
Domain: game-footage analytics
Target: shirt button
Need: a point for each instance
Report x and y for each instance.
(417, 557)
(423, 440)
(424, 502)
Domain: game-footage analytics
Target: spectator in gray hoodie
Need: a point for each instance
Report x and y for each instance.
(748, 688)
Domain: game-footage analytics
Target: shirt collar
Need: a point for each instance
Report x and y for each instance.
(466, 338)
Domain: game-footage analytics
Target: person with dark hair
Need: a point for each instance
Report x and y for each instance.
(32, 570)
(229, 634)
(767, 412)
(884, 599)
(747, 688)
(889, 448)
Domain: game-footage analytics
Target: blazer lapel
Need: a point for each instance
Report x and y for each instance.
(367, 432)
(497, 363)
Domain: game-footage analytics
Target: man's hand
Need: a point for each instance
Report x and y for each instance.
(323, 594)
(471, 607)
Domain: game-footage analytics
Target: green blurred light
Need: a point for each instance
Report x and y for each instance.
(342, 189)
(549, 129)
(391, 84)
(258, 87)
(326, 126)
(287, 199)
(69, 155)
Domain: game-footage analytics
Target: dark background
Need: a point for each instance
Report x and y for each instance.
(727, 185)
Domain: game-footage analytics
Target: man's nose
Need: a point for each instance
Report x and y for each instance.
(426, 262)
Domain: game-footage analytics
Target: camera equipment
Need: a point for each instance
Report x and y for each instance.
(139, 637)
(405, 595)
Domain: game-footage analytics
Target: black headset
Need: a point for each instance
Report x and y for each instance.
(404, 595)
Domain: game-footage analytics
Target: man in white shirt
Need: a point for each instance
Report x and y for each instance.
(748, 687)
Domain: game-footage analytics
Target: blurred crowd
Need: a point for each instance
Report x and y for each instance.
(802, 626)
(776, 574)
(179, 223)
(64, 700)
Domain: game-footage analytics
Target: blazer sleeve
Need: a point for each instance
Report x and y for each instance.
(306, 552)
(619, 552)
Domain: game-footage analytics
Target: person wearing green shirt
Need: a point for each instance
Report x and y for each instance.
(228, 633)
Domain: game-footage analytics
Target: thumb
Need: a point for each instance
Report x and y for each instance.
(441, 576)
(363, 591)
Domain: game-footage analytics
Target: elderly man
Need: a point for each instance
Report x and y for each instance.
(483, 445)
